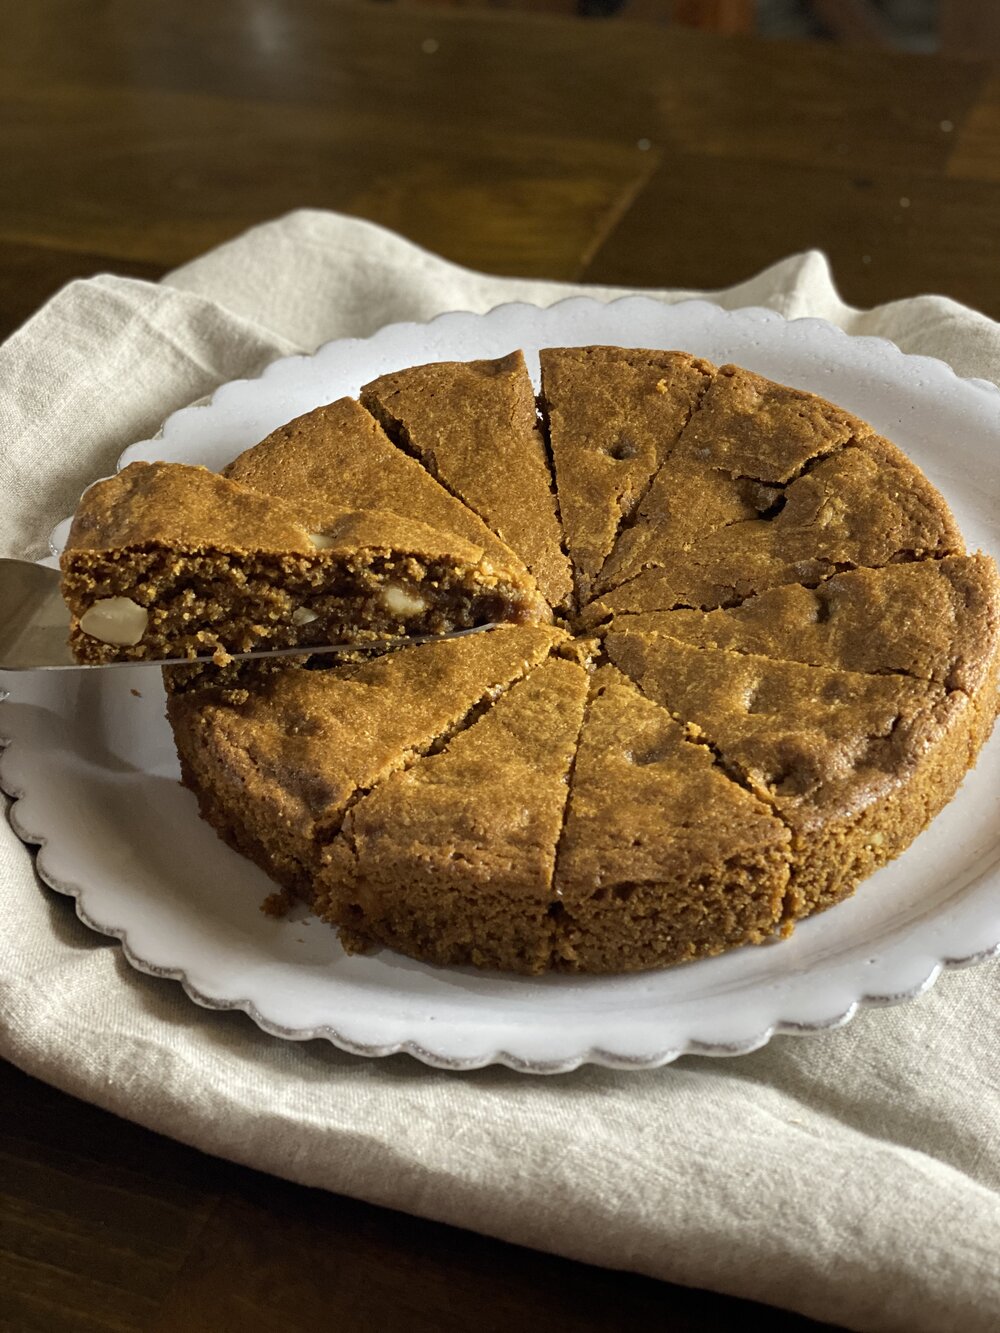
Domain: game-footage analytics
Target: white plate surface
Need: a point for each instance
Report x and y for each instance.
(92, 764)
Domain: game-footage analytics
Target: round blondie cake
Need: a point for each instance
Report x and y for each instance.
(769, 663)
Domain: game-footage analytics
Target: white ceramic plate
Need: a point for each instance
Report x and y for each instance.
(92, 764)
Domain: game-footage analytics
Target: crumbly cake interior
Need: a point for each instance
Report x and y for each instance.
(280, 601)
(774, 666)
(194, 564)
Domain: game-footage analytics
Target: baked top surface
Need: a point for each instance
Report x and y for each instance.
(933, 620)
(473, 425)
(810, 725)
(183, 508)
(459, 826)
(638, 768)
(863, 505)
(613, 418)
(339, 455)
(808, 738)
(300, 744)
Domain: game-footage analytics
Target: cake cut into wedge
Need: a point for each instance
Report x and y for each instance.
(781, 661)
(664, 858)
(474, 427)
(167, 561)
(855, 764)
(277, 763)
(614, 415)
(451, 859)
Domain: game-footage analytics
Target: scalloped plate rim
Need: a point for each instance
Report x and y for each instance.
(763, 313)
(438, 1058)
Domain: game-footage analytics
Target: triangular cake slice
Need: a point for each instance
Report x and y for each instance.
(451, 860)
(339, 455)
(748, 441)
(664, 857)
(166, 560)
(613, 416)
(275, 767)
(936, 620)
(474, 427)
(865, 505)
(855, 764)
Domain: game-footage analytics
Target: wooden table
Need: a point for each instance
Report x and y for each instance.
(136, 136)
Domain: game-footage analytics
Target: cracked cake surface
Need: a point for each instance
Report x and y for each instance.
(934, 620)
(474, 426)
(664, 858)
(424, 864)
(339, 455)
(613, 415)
(774, 665)
(832, 751)
(277, 761)
(864, 505)
(738, 453)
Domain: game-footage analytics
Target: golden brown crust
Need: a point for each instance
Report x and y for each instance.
(864, 505)
(936, 620)
(425, 865)
(276, 762)
(664, 858)
(613, 415)
(172, 504)
(855, 764)
(339, 455)
(748, 441)
(810, 668)
(473, 425)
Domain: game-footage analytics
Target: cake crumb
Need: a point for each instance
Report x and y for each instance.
(278, 904)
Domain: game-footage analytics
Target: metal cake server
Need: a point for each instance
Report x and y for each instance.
(34, 628)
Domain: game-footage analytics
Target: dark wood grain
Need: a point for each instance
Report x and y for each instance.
(522, 144)
(132, 138)
(970, 28)
(888, 234)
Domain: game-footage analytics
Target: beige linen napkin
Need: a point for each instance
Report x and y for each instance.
(852, 1176)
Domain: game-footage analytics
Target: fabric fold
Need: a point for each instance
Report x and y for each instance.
(853, 1176)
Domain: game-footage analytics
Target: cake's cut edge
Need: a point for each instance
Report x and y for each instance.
(451, 860)
(170, 561)
(663, 858)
